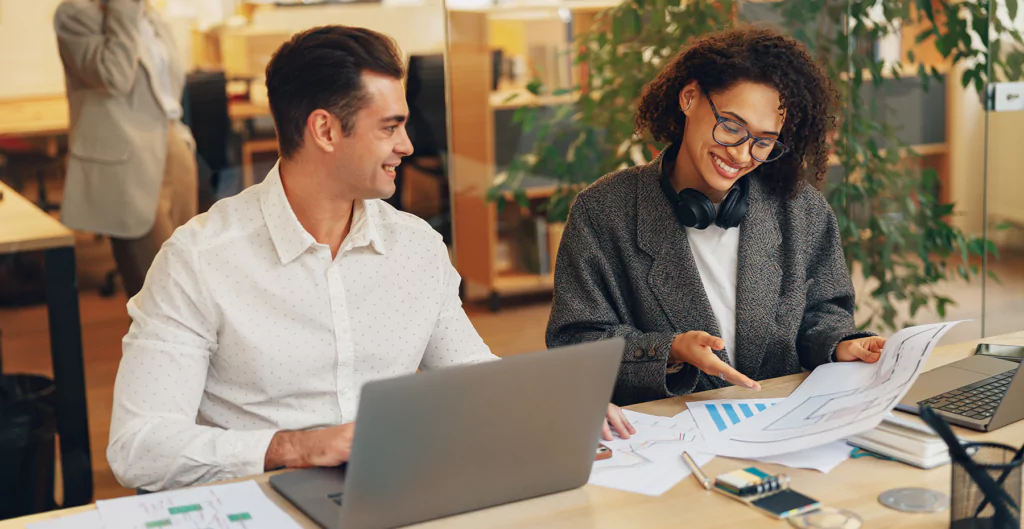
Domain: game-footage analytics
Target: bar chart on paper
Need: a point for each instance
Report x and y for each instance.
(233, 506)
(713, 416)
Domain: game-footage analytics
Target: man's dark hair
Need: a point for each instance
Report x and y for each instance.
(322, 68)
(718, 62)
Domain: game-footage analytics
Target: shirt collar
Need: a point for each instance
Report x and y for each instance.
(292, 240)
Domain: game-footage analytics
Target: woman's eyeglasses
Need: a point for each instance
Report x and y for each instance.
(730, 133)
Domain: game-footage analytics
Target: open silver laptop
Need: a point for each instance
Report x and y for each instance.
(459, 439)
(980, 392)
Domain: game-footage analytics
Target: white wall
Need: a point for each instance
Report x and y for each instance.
(29, 63)
(417, 26)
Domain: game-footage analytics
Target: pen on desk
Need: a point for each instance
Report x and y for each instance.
(697, 472)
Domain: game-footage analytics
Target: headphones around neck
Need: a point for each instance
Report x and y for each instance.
(695, 210)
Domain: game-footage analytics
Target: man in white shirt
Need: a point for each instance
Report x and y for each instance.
(261, 320)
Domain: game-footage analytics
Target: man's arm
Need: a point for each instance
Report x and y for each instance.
(155, 442)
(102, 50)
(454, 340)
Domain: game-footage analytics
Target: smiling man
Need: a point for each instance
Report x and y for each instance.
(261, 320)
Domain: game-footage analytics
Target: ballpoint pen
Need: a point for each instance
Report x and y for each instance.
(698, 474)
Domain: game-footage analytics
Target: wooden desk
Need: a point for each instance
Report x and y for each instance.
(854, 485)
(39, 117)
(48, 116)
(24, 228)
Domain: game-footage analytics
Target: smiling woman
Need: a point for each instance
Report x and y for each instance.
(719, 261)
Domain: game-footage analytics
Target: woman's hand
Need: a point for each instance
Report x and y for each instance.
(867, 349)
(697, 349)
(618, 420)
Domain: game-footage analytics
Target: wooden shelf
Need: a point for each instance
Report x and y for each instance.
(924, 149)
(500, 100)
(523, 283)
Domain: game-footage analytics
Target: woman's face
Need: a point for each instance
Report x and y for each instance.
(754, 106)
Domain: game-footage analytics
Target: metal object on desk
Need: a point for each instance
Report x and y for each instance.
(913, 499)
(699, 474)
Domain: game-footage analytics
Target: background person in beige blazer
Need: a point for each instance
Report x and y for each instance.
(131, 171)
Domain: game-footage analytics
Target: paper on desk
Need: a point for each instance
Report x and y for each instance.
(714, 416)
(650, 461)
(84, 520)
(242, 505)
(836, 401)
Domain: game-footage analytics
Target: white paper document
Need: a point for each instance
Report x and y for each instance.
(232, 506)
(836, 401)
(650, 462)
(822, 458)
(84, 520)
(715, 416)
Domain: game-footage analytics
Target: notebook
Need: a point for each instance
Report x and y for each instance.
(904, 440)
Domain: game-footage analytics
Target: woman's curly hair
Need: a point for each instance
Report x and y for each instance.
(717, 62)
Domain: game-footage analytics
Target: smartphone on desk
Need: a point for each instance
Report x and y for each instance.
(1013, 353)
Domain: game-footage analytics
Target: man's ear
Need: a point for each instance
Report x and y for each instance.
(323, 130)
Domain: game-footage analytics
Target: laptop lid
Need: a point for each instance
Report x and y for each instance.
(1011, 408)
(459, 439)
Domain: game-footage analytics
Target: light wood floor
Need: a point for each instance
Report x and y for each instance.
(518, 328)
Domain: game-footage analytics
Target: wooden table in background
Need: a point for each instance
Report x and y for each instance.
(26, 228)
(854, 485)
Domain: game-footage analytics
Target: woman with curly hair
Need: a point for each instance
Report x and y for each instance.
(719, 262)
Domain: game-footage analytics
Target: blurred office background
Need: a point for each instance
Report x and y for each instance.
(924, 179)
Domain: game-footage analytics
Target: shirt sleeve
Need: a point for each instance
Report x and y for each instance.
(155, 443)
(454, 340)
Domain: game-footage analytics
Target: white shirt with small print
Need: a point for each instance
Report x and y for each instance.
(247, 326)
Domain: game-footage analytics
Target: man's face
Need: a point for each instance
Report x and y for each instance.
(366, 159)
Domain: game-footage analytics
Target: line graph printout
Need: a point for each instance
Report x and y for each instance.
(232, 506)
(713, 416)
(650, 461)
(836, 401)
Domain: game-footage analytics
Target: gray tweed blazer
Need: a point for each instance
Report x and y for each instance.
(624, 268)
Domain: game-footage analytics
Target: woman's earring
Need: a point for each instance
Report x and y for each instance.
(688, 104)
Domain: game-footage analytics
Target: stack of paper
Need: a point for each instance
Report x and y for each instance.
(836, 401)
(650, 461)
(242, 505)
(906, 441)
(716, 416)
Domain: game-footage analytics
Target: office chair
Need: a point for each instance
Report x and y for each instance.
(428, 131)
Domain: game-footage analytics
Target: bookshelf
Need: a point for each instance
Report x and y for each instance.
(480, 115)
(480, 109)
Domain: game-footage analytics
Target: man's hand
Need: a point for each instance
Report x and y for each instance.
(325, 447)
(618, 420)
(696, 348)
(867, 349)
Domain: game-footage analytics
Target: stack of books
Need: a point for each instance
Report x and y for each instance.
(910, 442)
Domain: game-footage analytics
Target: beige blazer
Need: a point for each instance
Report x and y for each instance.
(118, 135)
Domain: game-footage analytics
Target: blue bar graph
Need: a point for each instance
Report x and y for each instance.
(725, 415)
(715, 416)
(735, 419)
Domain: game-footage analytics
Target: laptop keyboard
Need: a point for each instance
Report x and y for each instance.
(336, 498)
(977, 401)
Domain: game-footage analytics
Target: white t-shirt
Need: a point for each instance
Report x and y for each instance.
(159, 58)
(716, 251)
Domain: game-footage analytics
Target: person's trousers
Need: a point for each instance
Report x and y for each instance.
(177, 204)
